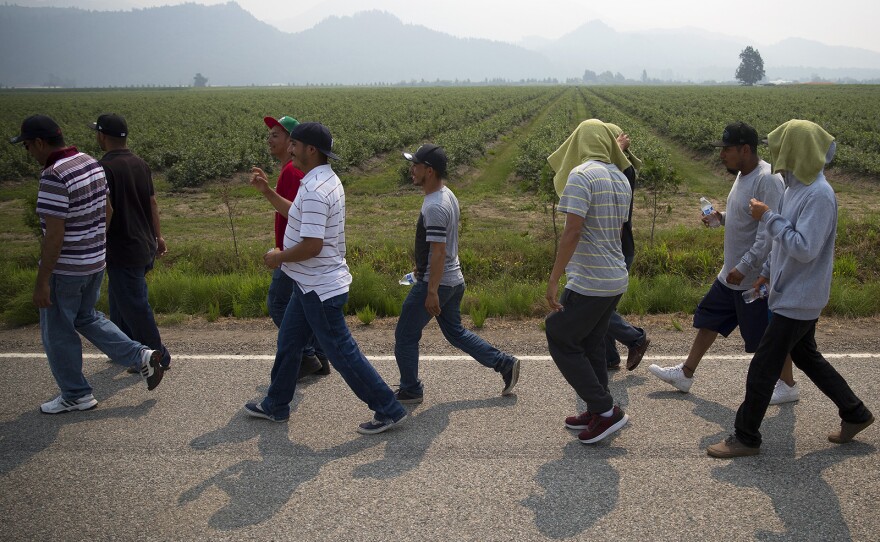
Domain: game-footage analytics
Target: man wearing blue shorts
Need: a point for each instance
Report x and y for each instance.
(746, 247)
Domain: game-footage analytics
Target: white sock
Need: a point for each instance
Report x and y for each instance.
(608, 414)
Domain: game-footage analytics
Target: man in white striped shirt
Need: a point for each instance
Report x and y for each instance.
(314, 257)
(74, 211)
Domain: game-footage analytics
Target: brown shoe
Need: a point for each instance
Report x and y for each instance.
(636, 353)
(849, 430)
(731, 447)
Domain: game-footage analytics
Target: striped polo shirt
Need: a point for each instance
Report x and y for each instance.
(318, 212)
(600, 194)
(74, 188)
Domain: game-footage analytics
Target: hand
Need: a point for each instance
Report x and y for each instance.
(623, 141)
(42, 299)
(161, 247)
(432, 303)
(552, 296)
(735, 277)
(757, 208)
(759, 282)
(705, 218)
(272, 259)
(259, 180)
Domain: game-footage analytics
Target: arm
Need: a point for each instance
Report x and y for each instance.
(308, 248)
(261, 183)
(567, 245)
(109, 215)
(815, 221)
(161, 247)
(769, 191)
(437, 261)
(49, 253)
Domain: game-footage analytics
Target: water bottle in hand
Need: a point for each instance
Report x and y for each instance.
(709, 211)
(754, 294)
(408, 280)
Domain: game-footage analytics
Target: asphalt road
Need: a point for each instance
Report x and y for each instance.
(184, 463)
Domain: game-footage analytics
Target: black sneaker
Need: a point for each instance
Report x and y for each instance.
(510, 378)
(151, 367)
(308, 366)
(325, 365)
(377, 426)
(255, 410)
(408, 398)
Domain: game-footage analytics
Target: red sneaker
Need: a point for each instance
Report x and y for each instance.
(579, 422)
(600, 427)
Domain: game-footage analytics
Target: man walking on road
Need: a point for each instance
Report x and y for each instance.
(73, 210)
(799, 275)
(134, 236)
(439, 285)
(280, 289)
(746, 246)
(314, 257)
(595, 197)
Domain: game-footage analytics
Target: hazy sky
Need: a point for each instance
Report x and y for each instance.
(763, 22)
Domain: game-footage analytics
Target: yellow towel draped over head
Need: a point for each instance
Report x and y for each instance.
(591, 140)
(799, 146)
(633, 159)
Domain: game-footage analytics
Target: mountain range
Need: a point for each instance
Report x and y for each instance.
(169, 45)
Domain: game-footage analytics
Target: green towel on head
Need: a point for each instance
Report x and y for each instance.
(591, 140)
(633, 159)
(799, 146)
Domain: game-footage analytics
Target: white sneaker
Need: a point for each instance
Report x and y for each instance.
(150, 367)
(673, 375)
(60, 404)
(783, 393)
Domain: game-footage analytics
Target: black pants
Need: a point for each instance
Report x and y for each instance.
(576, 340)
(798, 337)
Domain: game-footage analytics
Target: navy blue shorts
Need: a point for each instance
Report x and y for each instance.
(723, 309)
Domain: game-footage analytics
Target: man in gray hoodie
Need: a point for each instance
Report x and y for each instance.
(799, 274)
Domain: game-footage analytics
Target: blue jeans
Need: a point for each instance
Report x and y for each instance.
(623, 332)
(576, 341)
(307, 313)
(280, 290)
(130, 307)
(73, 311)
(413, 319)
(786, 336)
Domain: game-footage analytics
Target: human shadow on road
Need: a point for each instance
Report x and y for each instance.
(582, 486)
(259, 488)
(802, 499)
(32, 432)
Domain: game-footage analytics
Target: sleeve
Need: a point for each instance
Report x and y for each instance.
(315, 213)
(815, 221)
(436, 220)
(769, 189)
(53, 198)
(576, 197)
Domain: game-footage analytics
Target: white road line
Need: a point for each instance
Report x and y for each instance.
(246, 357)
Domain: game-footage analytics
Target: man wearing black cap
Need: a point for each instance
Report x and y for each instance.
(439, 285)
(746, 248)
(72, 206)
(314, 257)
(134, 236)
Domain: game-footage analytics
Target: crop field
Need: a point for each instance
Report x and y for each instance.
(200, 144)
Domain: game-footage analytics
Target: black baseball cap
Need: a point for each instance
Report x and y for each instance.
(430, 154)
(111, 124)
(37, 127)
(738, 133)
(316, 135)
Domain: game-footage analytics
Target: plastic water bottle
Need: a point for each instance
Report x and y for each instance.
(755, 294)
(408, 280)
(709, 211)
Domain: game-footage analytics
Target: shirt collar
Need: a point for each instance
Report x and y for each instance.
(60, 154)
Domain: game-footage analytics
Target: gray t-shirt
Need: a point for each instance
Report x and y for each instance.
(438, 223)
(746, 243)
(600, 194)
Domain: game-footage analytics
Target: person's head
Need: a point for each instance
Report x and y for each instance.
(310, 144)
(40, 136)
(279, 136)
(428, 164)
(739, 147)
(111, 131)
